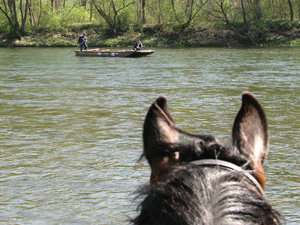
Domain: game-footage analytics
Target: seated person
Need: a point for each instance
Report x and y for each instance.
(138, 46)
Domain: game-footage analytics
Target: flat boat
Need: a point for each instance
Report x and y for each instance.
(113, 53)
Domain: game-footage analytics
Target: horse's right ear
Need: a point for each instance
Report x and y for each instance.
(250, 134)
(158, 131)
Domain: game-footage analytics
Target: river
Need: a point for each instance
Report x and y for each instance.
(71, 127)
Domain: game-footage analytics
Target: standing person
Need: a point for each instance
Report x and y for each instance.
(138, 46)
(82, 41)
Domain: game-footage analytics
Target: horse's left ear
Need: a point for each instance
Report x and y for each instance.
(250, 134)
(159, 132)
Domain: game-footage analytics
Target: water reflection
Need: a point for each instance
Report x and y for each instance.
(71, 127)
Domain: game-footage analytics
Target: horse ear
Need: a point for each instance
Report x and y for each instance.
(158, 130)
(250, 134)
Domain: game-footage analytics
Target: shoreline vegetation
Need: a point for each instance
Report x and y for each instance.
(157, 23)
(276, 33)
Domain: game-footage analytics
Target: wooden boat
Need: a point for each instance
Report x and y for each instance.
(113, 53)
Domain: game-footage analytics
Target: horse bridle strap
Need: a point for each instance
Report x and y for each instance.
(228, 165)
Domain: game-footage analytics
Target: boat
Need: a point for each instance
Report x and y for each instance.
(98, 52)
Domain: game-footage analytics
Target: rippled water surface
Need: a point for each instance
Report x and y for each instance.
(70, 127)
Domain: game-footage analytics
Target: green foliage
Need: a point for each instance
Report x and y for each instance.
(124, 41)
(126, 18)
(165, 25)
(280, 25)
(4, 26)
(61, 19)
(6, 30)
(75, 15)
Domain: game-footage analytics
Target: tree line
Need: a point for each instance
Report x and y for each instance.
(243, 17)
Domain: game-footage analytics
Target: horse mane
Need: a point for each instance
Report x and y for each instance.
(192, 194)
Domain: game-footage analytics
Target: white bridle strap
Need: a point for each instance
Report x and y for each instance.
(228, 165)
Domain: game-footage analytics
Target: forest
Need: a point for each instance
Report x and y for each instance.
(177, 22)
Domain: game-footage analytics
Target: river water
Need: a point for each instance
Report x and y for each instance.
(70, 127)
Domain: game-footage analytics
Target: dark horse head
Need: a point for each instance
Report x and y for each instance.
(206, 182)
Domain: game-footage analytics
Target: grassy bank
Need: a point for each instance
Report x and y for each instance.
(281, 33)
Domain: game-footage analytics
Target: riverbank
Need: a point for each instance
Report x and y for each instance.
(192, 38)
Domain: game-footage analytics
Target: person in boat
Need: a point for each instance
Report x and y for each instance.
(138, 46)
(82, 41)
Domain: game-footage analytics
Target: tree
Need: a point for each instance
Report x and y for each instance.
(15, 16)
(35, 12)
(291, 9)
(110, 10)
(143, 5)
(157, 11)
(186, 10)
(256, 10)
